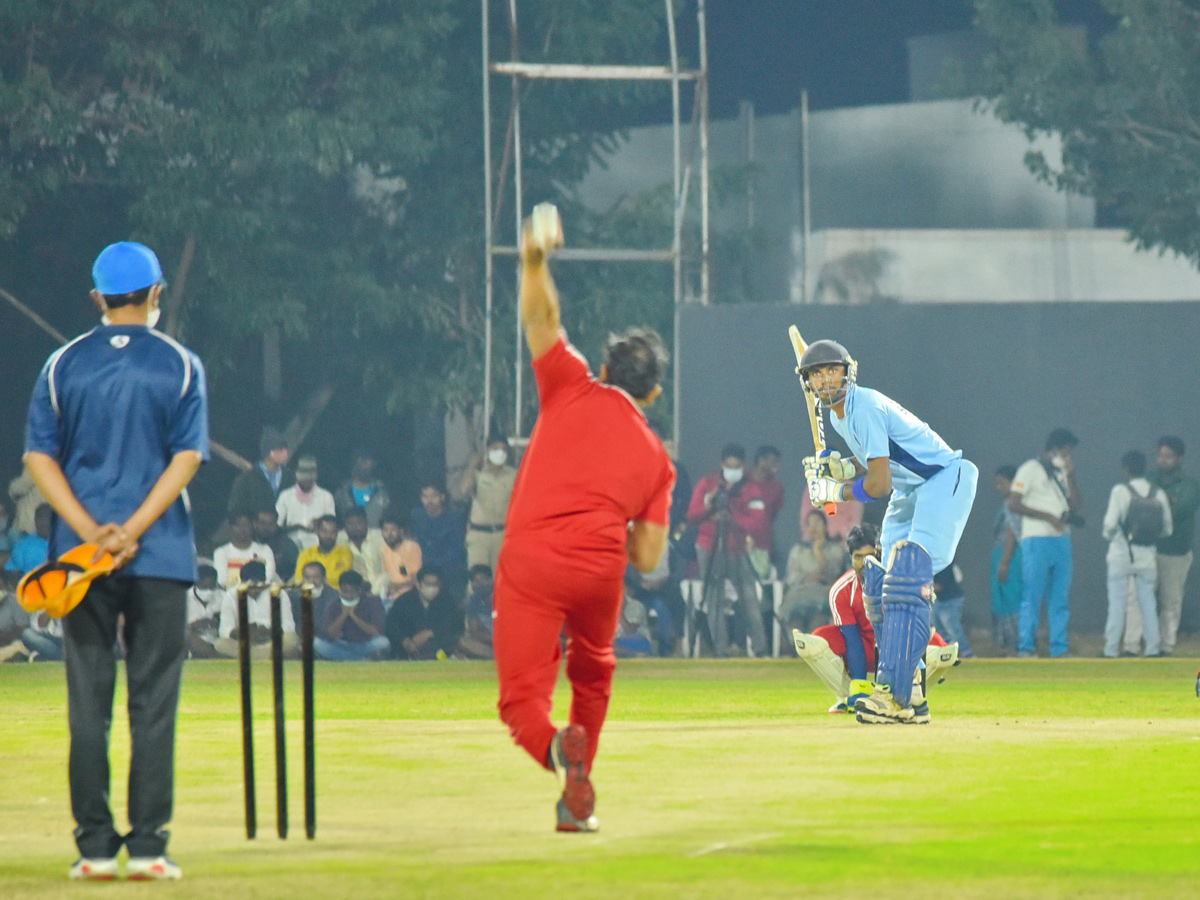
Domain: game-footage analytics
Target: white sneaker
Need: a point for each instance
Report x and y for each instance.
(881, 708)
(102, 869)
(152, 868)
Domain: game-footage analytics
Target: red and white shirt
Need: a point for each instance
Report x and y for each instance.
(846, 604)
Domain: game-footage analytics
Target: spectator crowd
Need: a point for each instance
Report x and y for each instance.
(417, 584)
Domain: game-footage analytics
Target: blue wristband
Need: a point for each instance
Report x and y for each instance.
(860, 492)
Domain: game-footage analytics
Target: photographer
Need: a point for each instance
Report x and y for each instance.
(1046, 497)
(727, 507)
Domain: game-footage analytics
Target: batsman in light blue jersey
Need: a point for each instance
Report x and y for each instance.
(932, 488)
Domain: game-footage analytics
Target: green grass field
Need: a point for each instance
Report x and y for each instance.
(1055, 779)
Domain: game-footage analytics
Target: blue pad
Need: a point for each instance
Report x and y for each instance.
(873, 575)
(907, 598)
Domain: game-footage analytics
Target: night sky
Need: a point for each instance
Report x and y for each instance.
(845, 52)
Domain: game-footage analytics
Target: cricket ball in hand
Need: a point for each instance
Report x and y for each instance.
(546, 227)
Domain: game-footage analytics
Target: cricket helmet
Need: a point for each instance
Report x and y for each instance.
(828, 353)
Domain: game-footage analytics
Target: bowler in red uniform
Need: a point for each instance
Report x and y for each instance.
(593, 493)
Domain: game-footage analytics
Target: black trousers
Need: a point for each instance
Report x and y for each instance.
(155, 611)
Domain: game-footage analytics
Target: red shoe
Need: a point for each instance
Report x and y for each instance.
(568, 756)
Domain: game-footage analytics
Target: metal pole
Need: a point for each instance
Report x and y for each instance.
(677, 224)
(518, 356)
(748, 114)
(488, 263)
(702, 85)
(804, 191)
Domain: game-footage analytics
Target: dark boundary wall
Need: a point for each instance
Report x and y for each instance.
(991, 379)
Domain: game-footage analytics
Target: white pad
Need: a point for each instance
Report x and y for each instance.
(938, 660)
(827, 665)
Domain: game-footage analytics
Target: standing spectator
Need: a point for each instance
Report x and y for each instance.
(363, 490)
(365, 545)
(476, 642)
(1006, 565)
(1174, 550)
(283, 550)
(402, 560)
(32, 550)
(258, 607)
(424, 623)
(1046, 497)
(27, 497)
(765, 476)
(351, 630)
(441, 532)
(228, 559)
(258, 487)
(328, 552)
(118, 426)
(1138, 515)
(490, 489)
(948, 609)
(813, 565)
(721, 507)
(300, 506)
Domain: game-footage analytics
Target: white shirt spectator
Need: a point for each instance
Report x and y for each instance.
(295, 507)
(1143, 557)
(204, 603)
(1041, 492)
(259, 613)
(228, 561)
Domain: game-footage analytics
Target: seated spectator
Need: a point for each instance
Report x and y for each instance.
(633, 631)
(947, 609)
(351, 629)
(228, 559)
(660, 595)
(32, 550)
(43, 638)
(284, 550)
(365, 545)
(363, 491)
(813, 566)
(26, 497)
(488, 481)
(424, 623)
(476, 642)
(259, 609)
(335, 558)
(303, 504)
(323, 596)
(13, 622)
(402, 560)
(204, 602)
(441, 531)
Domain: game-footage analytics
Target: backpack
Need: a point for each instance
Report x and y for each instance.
(1143, 523)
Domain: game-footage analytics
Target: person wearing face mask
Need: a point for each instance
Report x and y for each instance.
(117, 428)
(1046, 497)
(488, 481)
(423, 623)
(728, 508)
(302, 505)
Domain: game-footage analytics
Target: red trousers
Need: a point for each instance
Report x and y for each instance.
(534, 600)
(837, 643)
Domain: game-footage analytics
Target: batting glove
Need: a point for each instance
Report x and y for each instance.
(838, 466)
(824, 490)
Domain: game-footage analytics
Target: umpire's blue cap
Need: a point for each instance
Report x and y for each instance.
(125, 267)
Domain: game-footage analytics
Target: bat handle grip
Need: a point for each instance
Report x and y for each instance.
(831, 508)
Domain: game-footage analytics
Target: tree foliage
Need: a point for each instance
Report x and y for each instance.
(1126, 105)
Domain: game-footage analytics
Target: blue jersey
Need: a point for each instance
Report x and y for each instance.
(877, 426)
(113, 407)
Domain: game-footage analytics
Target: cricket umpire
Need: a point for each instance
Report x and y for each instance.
(117, 427)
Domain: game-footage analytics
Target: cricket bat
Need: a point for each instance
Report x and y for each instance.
(814, 406)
